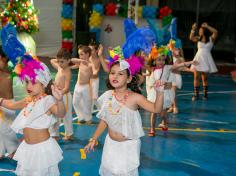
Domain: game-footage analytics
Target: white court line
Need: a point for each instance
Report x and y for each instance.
(218, 92)
(7, 170)
(209, 121)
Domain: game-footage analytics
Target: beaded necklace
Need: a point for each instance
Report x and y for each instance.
(28, 109)
(122, 101)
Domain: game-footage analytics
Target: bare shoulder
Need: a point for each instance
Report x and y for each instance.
(135, 96)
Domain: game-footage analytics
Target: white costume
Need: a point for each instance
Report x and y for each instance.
(95, 87)
(39, 159)
(178, 78)
(8, 139)
(165, 74)
(120, 158)
(151, 92)
(82, 102)
(204, 58)
(67, 120)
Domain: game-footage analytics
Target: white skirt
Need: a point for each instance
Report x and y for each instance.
(38, 159)
(120, 158)
(205, 62)
(178, 80)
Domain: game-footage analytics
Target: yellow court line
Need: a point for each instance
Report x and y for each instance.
(181, 129)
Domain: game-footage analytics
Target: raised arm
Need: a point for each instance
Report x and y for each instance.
(102, 59)
(9, 104)
(59, 108)
(66, 88)
(212, 30)
(93, 141)
(192, 35)
(54, 63)
(149, 106)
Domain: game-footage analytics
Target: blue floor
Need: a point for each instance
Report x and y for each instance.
(201, 140)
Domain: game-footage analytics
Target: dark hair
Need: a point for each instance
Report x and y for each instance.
(94, 44)
(207, 34)
(48, 89)
(168, 61)
(64, 54)
(85, 49)
(133, 85)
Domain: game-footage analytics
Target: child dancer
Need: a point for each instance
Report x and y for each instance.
(119, 113)
(178, 58)
(163, 71)
(62, 81)
(8, 140)
(38, 154)
(95, 62)
(205, 40)
(82, 98)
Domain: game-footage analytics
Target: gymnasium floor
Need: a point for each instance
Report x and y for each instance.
(201, 140)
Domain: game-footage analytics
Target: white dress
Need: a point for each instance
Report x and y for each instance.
(204, 58)
(39, 159)
(178, 78)
(120, 158)
(165, 74)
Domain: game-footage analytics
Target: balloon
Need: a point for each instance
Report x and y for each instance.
(110, 9)
(98, 8)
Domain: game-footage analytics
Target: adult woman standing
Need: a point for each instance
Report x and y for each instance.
(205, 40)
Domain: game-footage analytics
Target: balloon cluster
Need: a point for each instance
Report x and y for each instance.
(111, 9)
(22, 14)
(95, 20)
(67, 24)
(121, 9)
(165, 15)
(67, 11)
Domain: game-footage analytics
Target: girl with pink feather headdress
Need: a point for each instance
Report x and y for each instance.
(38, 154)
(119, 114)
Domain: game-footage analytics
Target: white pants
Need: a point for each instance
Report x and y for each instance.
(95, 87)
(82, 102)
(67, 120)
(8, 139)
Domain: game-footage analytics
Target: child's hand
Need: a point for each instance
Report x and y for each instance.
(195, 62)
(100, 50)
(204, 25)
(57, 93)
(194, 26)
(159, 86)
(168, 85)
(90, 146)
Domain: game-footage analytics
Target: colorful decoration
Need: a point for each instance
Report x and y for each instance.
(67, 24)
(110, 9)
(83, 154)
(165, 15)
(157, 52)
(121, 9)
(140, 40)
(22, 14)
(162, 34)
(23, 64)
(135, 62)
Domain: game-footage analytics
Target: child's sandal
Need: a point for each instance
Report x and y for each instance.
(151, 134)
(163, 127)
